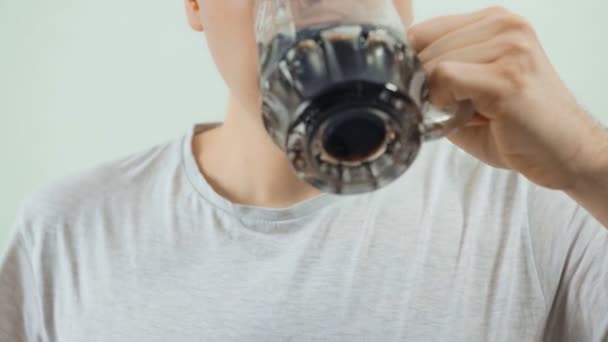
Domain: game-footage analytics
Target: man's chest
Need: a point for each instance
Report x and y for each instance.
(366, 286)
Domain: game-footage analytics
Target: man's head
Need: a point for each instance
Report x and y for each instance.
(229, 28)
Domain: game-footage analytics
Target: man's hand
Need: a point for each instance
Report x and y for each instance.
(527, 120)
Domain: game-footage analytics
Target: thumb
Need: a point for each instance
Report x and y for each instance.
(452, 82)
(478, 142)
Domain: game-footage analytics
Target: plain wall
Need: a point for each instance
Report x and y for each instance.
(85, 81)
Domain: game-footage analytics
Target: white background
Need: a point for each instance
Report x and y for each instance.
(85, 81)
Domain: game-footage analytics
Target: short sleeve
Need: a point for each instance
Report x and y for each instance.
(19, 309)
(571, 254)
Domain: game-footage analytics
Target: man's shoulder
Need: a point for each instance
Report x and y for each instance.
(83, 192)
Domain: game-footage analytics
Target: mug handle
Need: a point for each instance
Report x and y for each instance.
(438, 123)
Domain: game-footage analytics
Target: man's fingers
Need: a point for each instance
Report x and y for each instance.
(476, 33)
(423, 34)
(482, 53)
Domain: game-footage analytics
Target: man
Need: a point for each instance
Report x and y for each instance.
(213, 238)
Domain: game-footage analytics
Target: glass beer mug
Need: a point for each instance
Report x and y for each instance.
(343, 93)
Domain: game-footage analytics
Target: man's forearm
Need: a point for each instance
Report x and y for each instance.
(591, 189)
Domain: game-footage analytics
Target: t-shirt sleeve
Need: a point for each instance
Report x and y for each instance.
(19, 309)
(571, 255)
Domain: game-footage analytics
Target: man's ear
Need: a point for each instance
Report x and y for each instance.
(193, 14)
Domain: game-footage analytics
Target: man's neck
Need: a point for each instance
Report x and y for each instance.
(241, 163)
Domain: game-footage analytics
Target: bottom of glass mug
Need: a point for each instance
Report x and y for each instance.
(379, 153)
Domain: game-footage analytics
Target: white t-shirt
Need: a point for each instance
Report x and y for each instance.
(143, 249)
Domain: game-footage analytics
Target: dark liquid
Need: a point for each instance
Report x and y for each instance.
(354, 137)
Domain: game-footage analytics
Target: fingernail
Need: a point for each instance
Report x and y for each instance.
(477, 123)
